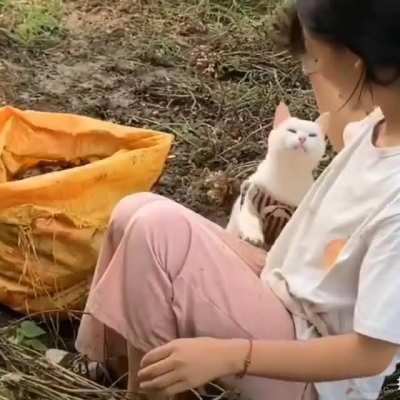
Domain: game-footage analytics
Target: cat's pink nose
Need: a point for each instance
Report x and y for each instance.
(302, 140)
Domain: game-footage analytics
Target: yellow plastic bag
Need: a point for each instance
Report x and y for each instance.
(51, 225)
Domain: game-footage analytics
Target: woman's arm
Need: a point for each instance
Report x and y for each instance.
(320, 360)
(190, 363)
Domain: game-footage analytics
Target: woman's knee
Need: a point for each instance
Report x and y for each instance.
(162, 218)
(124, 211)
(165, 227)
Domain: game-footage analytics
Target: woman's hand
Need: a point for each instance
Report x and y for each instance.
(185, 364)
(190, 363)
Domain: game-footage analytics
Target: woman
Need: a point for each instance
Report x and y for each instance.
(325, 308)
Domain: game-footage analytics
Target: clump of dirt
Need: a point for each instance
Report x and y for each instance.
(205, 71)
(46, 167)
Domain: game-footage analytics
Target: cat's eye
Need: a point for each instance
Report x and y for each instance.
(312, 135)
(291, 130)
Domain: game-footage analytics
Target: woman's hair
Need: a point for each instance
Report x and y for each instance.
(285, 29)
(369, 28)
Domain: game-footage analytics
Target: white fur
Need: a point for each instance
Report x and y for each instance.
(287, 170)
(245, 224)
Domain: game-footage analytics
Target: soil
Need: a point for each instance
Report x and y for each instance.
(204, 73)
(46, 167)
(204, 70)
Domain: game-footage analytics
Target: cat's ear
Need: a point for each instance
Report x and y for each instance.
(323, 121)
(282, 113)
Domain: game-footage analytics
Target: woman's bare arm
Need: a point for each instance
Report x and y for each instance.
(189, 363)
(319, 360)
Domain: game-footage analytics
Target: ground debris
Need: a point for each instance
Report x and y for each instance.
(206, 71)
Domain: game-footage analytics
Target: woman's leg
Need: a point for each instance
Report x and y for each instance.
(166, 272)
(96, 340)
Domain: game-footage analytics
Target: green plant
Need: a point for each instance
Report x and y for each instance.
(40, 23)
(4, 4)
(29, 334)
(32, 23)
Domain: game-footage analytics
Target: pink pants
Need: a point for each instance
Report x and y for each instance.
(165, 272)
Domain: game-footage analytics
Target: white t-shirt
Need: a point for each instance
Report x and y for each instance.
(339, 256)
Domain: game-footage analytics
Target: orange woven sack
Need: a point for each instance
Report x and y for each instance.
(51, 224)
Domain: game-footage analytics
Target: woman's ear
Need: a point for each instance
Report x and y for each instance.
(282, 113)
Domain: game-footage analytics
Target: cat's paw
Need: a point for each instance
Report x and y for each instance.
(252, 233)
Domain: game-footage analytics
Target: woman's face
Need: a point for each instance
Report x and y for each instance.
(337, 64)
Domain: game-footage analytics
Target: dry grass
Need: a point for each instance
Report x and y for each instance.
(26, 375)
(205, 70)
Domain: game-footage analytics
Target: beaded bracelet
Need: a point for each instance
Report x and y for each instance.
(247, 360)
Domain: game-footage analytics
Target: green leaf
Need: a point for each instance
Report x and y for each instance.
(35, 345)
(31, 330)
(19, 336)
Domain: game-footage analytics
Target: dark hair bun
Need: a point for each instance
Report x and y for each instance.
(369, 28)
(285, 29)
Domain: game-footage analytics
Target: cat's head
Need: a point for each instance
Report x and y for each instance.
(298, 137)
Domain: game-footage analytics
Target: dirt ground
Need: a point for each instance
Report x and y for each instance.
(203, 70)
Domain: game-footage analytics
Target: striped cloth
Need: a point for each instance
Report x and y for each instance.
(274, 215)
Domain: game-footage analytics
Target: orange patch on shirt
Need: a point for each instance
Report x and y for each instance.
(332, 252)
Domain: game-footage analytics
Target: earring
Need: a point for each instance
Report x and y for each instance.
(310, 66)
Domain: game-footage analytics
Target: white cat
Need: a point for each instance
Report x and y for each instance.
(295, 148)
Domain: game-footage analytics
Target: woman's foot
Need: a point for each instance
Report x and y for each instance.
(80, 365)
